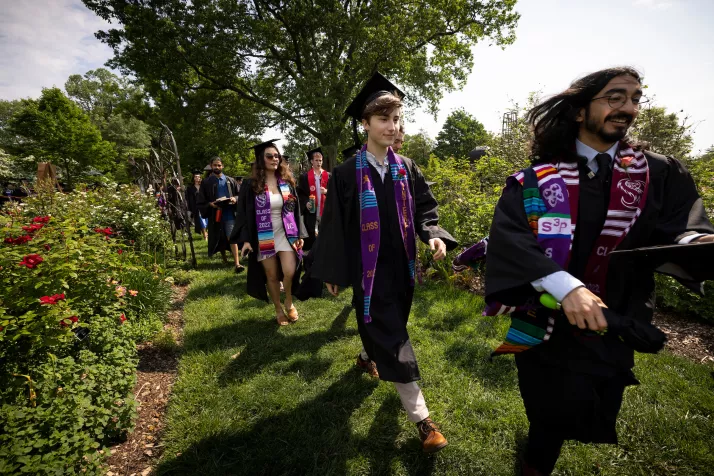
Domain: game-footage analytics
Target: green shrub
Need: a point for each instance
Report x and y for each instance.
(672, 295)
(182, 277)
(74, 299)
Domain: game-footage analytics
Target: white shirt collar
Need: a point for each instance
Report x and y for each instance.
(381, 168)
(589, 153)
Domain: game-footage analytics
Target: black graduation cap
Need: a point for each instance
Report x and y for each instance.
(350, 151)
(375, 87)
(690, 263)
(239, 177)
(197, 172)
(285, 157)
(259, 148)
(312, 151)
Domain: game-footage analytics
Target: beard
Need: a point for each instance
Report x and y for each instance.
(598, 128)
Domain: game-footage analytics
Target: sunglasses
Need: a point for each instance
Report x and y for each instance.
(270, 156)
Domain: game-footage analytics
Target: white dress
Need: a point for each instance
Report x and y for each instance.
(276, 217)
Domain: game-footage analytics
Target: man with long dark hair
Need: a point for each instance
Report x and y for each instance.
(590, 191)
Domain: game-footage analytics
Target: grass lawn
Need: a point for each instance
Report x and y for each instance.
(252, 398)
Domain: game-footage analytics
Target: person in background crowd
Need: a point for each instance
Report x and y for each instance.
(312, 191)
(199, 223)
(217, 198)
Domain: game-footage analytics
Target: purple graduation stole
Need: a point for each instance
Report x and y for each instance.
(264, 223)
(369, 220)
(551, 194)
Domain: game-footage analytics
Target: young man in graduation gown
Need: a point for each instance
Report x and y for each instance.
(593, 190)
(379, 203)
(221, 216)
(312, 192)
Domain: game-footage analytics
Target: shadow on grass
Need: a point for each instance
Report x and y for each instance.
(380, 445)
(265, 346)
(473, 356)
(314, 438)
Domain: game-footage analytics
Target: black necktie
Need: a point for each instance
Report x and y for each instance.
(603, 163)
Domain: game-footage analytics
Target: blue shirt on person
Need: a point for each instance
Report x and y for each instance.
(222, 191)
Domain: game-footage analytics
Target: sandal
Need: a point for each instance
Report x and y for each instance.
(292, 314)
(284, 322)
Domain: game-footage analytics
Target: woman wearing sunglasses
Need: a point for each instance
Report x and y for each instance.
(268, 230)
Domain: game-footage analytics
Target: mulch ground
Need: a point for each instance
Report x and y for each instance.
(155, 377)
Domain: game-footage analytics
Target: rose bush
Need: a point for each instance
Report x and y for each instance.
(78, 289)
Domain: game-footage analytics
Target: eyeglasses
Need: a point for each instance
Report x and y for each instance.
(270, 156)
(618, 100)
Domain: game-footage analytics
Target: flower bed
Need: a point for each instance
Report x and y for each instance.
(76, 294)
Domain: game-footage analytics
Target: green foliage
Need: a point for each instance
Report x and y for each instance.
(117, 107)
(669, 292)
(54, 129)
(12, 167)
(460, 134)
(183, 277)
(302, 62)
(665, 132)
(418, 147)
(8, 140)
(65, 395)
(465, 205)
(134, 215)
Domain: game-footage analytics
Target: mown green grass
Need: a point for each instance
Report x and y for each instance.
(252, 398)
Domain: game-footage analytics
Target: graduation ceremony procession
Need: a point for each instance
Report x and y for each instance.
(356, 237)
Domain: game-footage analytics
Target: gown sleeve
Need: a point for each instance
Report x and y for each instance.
(683, 212)
(202, 200)
(331, 263)
(303, 193)
(514, 258)
(241, 230)
(426, 214)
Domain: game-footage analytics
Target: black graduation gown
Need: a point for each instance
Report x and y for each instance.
(338, 261)
(573, 385)
(246, 231)
(303, 190)
(208, 193)
(191, 199)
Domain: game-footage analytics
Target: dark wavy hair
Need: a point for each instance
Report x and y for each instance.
(553, 120)
(258, 173)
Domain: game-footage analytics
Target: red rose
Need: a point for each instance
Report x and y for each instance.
(122, 318)
(120, 251)
(402, 172)
(52, 299)
(31, 261)
(131, 242)
(626, 161)
(33, 228)
(48, 247)
(74, 318)
(44, 219)
(20, 240)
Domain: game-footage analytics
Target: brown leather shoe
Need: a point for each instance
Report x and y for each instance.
(292, 314)
(431, 439)
(368, 366)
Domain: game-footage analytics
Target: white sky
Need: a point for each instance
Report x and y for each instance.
(42, 42)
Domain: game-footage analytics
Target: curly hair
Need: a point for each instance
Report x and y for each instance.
(553, 121)
(258, 172)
